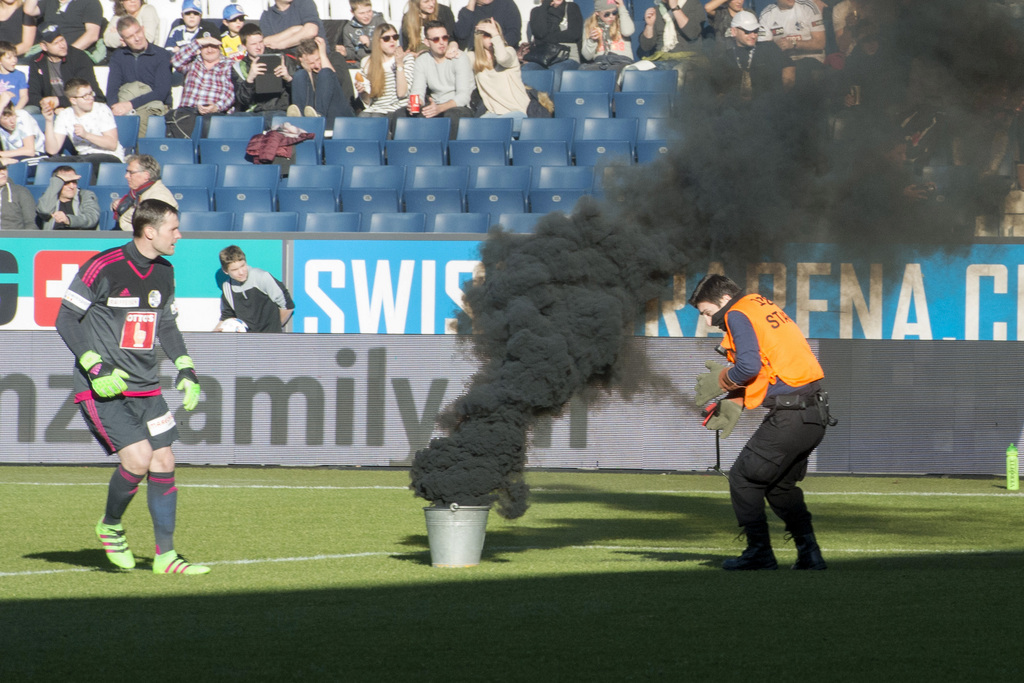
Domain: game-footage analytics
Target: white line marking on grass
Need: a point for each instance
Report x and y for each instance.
(220, 486)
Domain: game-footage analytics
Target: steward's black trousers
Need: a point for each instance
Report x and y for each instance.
(770, 465)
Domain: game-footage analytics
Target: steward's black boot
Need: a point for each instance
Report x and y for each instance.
(808, 554)
(758, 554)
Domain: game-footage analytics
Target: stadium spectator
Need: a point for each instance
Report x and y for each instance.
(11, 80)
(230, 40)
(849, 14)
(746, 68)
(798, 28)
(497, 72)
(79, 21)
(356, 33)
(416, 17)
(64, 206)
(315, 87)
(504, 12)
(672, 34)
(265, 100)
(385, 75)
(17, 207)
(774, 366)
(720, 14)
(139, 78)
(560, 22)
(449, 80)
(288, 22)
(252, 295)
(116, 362)
(16, 27)
(19, 133)
(89, 126)
(143, 175)
(145, 14)
(606, 35)
(208, 88)
(56, 65)
(190, 26)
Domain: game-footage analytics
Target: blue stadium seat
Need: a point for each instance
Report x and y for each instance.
(433, 201)
(375, 177)
(168, 150)
(242, 199)
(127, 132)
(105, 194)
(542, 80)
(106, 220)
(192, 198)
(272, 221)
(486, 129)
(307, 154)
(249, 176)
(415, 152)
(657, 129)
(303, 177)
(650, 150)
(44, 169)
(189, 175)
(642, 105)
(310, 124)
(588, 81)
(369, 189)
(206, 220)
(495, 201)
(458, 223)
(223, 151)
(521, 222)
(307, 200)
(397, 222)
(546, 201)
(358, 128)
(582, 105)
(111, 173)
(330, 222)
(478, 152)
(438, 129)
(540, 152)
(352, 152)
(548, 129)
(655, 80)
(608, 129)
(433, 178)
(603, 152)
(563, 178)
(156, 127)
(234, 127)
(18, 173)
(36, 190)
(501, 177)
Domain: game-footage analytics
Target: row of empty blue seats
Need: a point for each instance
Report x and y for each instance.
(336, 222)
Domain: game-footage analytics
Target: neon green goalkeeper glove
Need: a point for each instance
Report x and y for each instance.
(107, 381)
(187, 381)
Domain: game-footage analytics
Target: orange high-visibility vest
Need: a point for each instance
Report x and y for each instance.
(785, 353)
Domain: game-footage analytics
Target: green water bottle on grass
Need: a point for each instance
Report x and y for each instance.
(1012, 469)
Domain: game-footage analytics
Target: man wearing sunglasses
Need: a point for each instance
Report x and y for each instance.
(449, 81)
(746, 68)
(505, 12)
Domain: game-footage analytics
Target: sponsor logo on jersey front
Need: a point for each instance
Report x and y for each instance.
(123, 302)
(139, 331)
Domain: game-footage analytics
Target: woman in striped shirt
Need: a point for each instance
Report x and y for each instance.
(384, 77)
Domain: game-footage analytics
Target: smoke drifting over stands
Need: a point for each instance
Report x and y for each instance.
(554, 314)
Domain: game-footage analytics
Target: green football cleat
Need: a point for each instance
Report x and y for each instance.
(116, 545)
(173, 563)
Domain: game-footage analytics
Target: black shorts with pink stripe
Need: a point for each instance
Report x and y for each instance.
(122, 421)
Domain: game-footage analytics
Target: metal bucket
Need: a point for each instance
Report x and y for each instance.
(456, 534)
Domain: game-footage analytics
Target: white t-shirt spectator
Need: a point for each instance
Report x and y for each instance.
(24, 126)
(799, 23)
(97, 121)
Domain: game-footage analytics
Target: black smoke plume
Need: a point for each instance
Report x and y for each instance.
(556, 310)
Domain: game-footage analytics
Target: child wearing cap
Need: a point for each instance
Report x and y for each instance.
(230, 41)
(189, 27)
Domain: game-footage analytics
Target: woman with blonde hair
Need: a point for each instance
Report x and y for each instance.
(384, 77)
(146, 15)
(498, 77)
(606, 35)
(418, 14)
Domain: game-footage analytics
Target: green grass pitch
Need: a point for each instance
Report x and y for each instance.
(325, 575)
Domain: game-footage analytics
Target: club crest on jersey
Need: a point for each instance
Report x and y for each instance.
(139, 331)
(154, 298)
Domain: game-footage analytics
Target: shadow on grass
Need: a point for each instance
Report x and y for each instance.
(927, 617)
(92, 558)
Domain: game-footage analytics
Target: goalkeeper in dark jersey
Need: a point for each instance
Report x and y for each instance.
(117, 307)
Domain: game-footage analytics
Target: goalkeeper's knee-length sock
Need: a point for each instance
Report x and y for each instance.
(162, 496)
(122, 488)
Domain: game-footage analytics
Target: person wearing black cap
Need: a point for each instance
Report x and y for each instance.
(17, 207)
(64, 206)
(57, 64)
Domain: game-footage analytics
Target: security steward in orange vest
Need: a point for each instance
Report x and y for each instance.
(773, 365)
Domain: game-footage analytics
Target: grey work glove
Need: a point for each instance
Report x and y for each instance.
(728, 415)
(708, 386)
